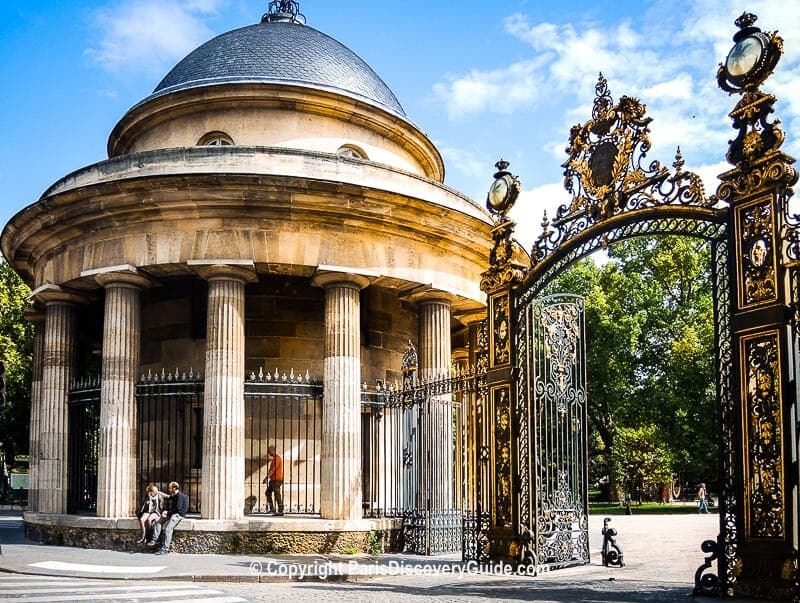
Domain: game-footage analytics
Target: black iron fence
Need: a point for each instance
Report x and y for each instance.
(423, 447)
(170, 438)
(280, 410)
(83, 413)
(419, 447)
(284, 411)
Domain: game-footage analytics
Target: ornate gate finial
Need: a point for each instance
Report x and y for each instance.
(752, 59)
(500, 199)
(755, 152)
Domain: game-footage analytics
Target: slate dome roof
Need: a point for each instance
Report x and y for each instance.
(286, 52)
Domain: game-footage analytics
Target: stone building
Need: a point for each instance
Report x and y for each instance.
(268, 213)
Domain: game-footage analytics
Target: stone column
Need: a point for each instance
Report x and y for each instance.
(58, 365)
(434, 365)
(38, 321)
(340, 473)
(117, 486)
(223, 406)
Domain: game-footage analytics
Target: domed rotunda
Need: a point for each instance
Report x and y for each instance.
(268, 234)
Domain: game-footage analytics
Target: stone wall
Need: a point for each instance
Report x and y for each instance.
(228, 542)
(284, 328)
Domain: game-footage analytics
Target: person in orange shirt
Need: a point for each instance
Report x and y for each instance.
(274, 481)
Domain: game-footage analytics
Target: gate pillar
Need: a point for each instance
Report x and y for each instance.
(758, 189)
(499, 282)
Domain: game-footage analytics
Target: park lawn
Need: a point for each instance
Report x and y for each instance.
(647, 508)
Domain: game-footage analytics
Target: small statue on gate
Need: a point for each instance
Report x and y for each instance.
(612, 554)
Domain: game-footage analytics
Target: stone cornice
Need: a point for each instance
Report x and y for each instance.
(257, 161)
(185, 190)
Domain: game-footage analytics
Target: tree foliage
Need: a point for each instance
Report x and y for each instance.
(641, 460)
(16, 352)
(650, 353)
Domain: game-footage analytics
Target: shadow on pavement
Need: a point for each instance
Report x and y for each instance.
(522, 590)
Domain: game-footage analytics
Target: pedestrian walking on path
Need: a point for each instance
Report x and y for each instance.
(702, 497)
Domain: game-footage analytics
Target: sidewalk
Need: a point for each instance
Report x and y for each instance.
(657, 550)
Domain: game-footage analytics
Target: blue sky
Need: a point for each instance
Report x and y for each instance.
(482, 79)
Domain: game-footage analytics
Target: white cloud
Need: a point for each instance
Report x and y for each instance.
(467, 162)
(667, 57)
(501, 90)
(668, 63)
(530, 208)
(149, 35)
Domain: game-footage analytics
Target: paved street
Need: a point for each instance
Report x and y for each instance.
(661, 553)
(46, 589)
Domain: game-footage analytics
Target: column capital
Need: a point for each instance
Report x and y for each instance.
(52, 294)
(326, 278)
(224, 269)
(470, 317)
(427, 294)
(34, 316)
(123, 274)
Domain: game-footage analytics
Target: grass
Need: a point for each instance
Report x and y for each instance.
(647, 508)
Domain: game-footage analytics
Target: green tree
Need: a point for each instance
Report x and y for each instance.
(649, 322)
(16, 352)
(640, 459)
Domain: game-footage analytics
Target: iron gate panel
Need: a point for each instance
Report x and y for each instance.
(555, 369)
(83, 402)
(170, 436)
(408, 435)
(289, 416)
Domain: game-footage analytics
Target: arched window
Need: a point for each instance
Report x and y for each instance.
(215, 139)
(351, 151)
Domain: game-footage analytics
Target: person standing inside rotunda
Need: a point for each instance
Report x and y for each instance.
(274, 481)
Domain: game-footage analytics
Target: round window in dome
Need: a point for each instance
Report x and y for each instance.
(351, 151)
(215, 139)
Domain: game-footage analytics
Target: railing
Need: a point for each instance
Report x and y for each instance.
(280, 410)
(418, 446)
(284, 411)
(420, 449)
(170, 442)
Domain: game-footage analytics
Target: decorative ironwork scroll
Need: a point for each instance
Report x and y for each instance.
(501, 406)
(755, 232)
(764, 503)
(607, 176)
(556, 508)
(617, 195)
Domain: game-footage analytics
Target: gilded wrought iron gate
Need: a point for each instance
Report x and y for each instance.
(551, 398)
(537, 513)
